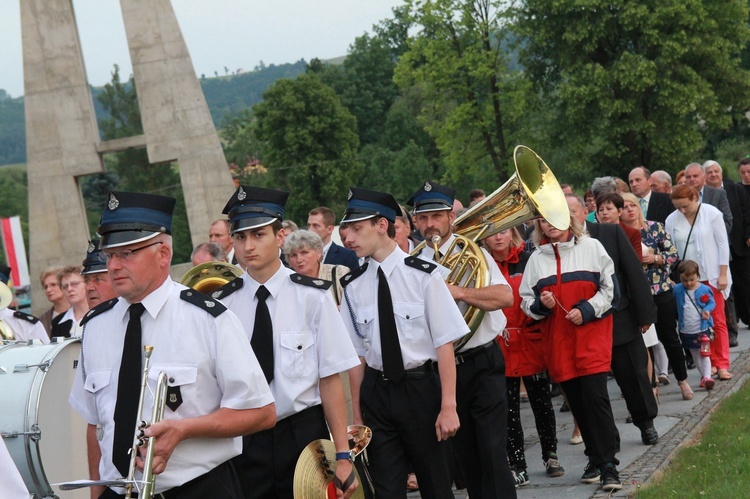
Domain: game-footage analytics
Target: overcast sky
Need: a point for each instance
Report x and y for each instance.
(232, 33)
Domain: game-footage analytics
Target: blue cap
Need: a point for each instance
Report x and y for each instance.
(363, 204)
(5, 274)
(94, 263)
(132, 217)
(432, 197)
(254, 207)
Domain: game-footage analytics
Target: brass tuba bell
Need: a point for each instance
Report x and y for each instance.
(531, 192)
(209, 276)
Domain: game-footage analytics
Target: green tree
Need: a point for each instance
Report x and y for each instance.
(309, 143)
(472, 101)
(13, 202)
(636, 83)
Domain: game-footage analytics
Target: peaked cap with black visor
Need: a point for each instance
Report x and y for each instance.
(364, 204)
(94, 262)
(432, 197)
(254, 207)
(133, 217)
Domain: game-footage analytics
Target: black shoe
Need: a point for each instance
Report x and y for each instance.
(733, 342)
(689, 362)
(590, 474)
(629, 419)
(564, 407)
(610, 478)
(521, 477)
(649, 436)
(553, 467)
(554, 390)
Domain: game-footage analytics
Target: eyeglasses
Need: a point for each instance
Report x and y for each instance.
(123, 255)
(71, 284)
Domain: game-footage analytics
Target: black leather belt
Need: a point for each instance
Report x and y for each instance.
(413, 373)
(467, 355)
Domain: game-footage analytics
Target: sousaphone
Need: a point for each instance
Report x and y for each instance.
(531, 192)
(208, 277)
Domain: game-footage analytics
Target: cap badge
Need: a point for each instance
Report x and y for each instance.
(91, 247)
(241, 194)
(113, 202)
(350, 194)
(427, 187)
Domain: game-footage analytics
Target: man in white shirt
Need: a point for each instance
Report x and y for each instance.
(22, 325)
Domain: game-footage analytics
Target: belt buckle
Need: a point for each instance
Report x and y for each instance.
(460, 359)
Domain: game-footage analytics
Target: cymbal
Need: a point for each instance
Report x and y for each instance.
(316, 467)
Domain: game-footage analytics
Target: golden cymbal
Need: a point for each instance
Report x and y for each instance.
(316, 467)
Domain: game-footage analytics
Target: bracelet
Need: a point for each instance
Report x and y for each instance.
(344, 455)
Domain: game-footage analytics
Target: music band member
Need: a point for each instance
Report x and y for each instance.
(297, 334)
(23, 325)
(95, 276)
(216, 390)
(480, 367)
(402, 319)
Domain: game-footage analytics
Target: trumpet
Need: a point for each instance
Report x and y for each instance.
(148, 482)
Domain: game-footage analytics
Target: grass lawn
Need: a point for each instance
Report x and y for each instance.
(717, 463)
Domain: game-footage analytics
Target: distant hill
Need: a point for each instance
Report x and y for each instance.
(224, 95)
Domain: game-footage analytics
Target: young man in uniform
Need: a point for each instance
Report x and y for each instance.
(216, 389)
(402, 319)
(480, 366)
(301, 344)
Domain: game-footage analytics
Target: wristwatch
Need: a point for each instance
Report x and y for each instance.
(347, 455)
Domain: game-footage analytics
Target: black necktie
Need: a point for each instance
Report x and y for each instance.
(262, 341)
(128, 392)
(393, 364)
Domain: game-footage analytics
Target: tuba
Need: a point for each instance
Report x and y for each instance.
(532, 192)
(208, 277)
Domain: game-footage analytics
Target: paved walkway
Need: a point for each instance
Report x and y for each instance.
(678, 423)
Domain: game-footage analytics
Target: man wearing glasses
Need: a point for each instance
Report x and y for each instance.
(216, 389)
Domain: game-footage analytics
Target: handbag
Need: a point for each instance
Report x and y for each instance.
(674, 273)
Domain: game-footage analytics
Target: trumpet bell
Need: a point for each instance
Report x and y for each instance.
(208, 277)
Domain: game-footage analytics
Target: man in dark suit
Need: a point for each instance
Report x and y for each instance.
(654, 205)
(633, 314)
(321, 220)
(739, 244)
(695, 176)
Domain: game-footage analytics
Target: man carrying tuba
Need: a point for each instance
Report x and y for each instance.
(480, 368)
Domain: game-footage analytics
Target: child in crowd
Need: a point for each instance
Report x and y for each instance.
(695, 302)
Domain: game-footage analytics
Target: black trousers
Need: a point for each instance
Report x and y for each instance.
(221, 483)
(402, 418)
(266, 465)
(666, 331)
(589, 402)
(740, 267)
(630, 367)
(537, 388)
(481, 441)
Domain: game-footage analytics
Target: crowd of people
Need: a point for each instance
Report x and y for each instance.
(315, 336)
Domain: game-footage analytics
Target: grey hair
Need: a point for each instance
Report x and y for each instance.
(710, 162)
(694, 165)
(603, 185)
(577, 198)
(217, 252)
(662, 176)
(300, 239)
(288, 224)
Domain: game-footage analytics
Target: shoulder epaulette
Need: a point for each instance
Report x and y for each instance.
(101, 308)
(420, 264)
(27, 317)
(353, 275)
(205, 302)
(310, 281)
(228, 288)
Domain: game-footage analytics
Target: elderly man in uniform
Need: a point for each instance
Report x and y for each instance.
(23, 326)
(402, 319)
(216, 390)
(98, 286)
(300, 341)
(480, 367)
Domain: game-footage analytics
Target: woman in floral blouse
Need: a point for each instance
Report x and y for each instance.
(659, 254)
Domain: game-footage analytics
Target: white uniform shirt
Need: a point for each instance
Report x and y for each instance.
(309, 339)
(493, 322)
(76, 330)
(426, 315)
(209, 359)
(23, 329)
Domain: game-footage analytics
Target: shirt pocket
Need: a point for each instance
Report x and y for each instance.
(364, 321)
(98, 385)
(409, 320)
(296, 354)
(181, 387)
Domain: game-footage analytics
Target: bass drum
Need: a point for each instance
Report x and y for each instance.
(45, 437)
